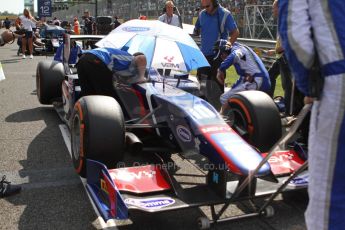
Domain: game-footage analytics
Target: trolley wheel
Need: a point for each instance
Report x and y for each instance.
(203, 223)
(268, 212)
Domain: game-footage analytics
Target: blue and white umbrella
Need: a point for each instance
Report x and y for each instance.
(165, 46)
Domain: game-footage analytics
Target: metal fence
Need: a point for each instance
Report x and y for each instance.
(257, 45)
(254, 20)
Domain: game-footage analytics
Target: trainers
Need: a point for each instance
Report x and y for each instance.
(31, 56)
(23, 56)
(6, 189)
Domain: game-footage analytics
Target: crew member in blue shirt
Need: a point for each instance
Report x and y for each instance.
(75, 51)
(252, 72)
(96, 69)
(214, 22)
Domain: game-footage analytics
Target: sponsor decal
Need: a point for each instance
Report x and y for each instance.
(275, 159)
(299, 181)
(169, 59)
(183, 133)
(150, 203)
(104, 186)
(214, 129)
(170, 65)
(128, 176)
(135, 29)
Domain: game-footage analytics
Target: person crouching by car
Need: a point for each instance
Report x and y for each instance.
(252, 72)
(96, 69)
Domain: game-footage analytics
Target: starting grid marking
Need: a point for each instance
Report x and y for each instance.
(110, 224)
(2, 74)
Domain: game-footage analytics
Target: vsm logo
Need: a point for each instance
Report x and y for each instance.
(135, 29)
(169, 59)
(151, 203)
(170, 65)
(183, 133)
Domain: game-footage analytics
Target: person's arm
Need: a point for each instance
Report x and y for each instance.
(220, 76)
(231, 26)
(269, 52)
(225, 65)
(161, 18)
(197, 27)
(58, 54)
(234, 35)
(295, 32)
(33, 20)
(279, 50)
(229, 61)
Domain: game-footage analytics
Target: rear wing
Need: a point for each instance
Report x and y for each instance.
(68, 41)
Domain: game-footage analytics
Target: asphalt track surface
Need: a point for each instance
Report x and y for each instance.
(34, 155)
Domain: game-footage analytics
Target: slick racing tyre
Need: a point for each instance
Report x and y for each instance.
(97, 132)
(256, 118)
(49, 76)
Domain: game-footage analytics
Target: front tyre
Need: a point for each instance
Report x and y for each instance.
(256, 118)
(97, 132)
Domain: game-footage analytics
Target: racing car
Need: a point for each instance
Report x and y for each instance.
(52, 37)
(124, 144)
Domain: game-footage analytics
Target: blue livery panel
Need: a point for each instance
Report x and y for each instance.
(196, 126)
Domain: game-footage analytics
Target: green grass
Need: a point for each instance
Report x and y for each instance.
(231, 77)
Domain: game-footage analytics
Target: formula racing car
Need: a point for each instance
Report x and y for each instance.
(125, 144)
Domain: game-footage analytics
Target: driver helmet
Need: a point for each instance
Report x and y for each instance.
(221, 46)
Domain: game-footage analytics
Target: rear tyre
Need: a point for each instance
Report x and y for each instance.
(256, 118)
(49, 76)
(97, 132)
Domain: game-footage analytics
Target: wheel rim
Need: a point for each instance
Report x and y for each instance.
(238, 122)
(76, 138)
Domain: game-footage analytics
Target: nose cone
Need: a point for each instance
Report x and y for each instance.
(240, 157)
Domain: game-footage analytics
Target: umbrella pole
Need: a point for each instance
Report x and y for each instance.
(153, 51)
(179, 15)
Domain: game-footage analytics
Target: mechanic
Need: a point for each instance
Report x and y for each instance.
(96, 69)
(293, 98)
(7, 23)
(116, 22)
(75, 52)
(214, 22)
(169, 17)
(89, 23)
(76, 26)
(252, 72)
(313, 36)
(276, 67)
